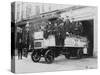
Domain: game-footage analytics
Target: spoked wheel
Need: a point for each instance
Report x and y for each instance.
(36, 56)
(80, 53)
(49, 56)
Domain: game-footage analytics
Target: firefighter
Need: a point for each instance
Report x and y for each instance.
(19, 36)
(47, 30)
(80, 27)
(72, 26)
(76, 27)
(67, 24)
(59, 29)
(27, 39)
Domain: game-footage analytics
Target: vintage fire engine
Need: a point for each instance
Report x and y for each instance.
(74, 46)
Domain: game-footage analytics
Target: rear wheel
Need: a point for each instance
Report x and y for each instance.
(36, 56)
(49, 56)
(80, 53)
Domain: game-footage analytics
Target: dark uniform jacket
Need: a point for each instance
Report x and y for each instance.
(19, 36)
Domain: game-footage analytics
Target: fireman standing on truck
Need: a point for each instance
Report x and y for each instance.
(76, 27)
(65, 27)
(60, 31)
(67, 24)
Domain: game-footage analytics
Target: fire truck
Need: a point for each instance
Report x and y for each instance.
(74, 46)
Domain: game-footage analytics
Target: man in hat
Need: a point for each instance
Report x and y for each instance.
(26, 39)
(19, 37)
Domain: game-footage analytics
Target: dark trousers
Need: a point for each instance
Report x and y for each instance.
(19, 53)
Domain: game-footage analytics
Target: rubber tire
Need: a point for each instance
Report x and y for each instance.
(35, 56)
(49, 56)
(79, 53)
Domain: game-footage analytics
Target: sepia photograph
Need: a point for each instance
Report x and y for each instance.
(49, 37)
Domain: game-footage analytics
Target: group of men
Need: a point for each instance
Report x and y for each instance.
(58, 27)
(22, 40)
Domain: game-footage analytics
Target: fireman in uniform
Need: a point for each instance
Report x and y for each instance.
(19, 36)
(76, 27)
(27, 39)
(64, 27)
(60, 31)
(67, 24)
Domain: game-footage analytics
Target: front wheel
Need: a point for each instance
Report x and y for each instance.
(35, 56)
(49, 56)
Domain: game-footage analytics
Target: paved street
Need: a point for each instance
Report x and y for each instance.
(60, 63)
